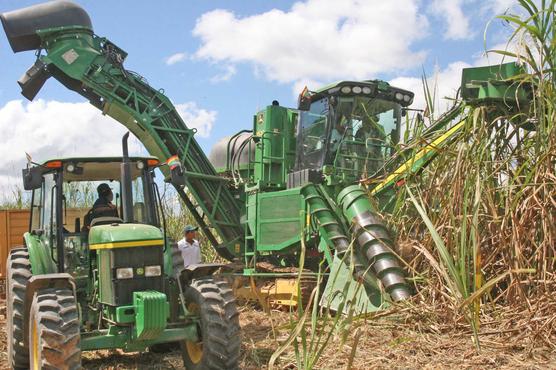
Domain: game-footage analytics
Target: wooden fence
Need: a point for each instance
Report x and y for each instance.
(13, 224)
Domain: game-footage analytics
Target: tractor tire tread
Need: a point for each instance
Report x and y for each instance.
(57, 318)
(222, 344)
(18, 272)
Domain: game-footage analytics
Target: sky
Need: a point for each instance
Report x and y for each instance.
(222, 61)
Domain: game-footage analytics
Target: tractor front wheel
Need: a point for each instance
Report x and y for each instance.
(54, 339)
(18, 273)
(219, 345)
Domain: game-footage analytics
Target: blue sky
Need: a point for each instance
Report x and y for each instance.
(220, 61)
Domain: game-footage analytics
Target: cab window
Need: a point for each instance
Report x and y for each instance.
(313, 135)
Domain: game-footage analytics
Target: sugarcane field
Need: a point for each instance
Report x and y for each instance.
(298, 184)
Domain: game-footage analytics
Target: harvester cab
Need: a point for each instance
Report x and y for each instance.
(349, 127)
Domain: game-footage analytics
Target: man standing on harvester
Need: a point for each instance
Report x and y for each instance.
(189, 246)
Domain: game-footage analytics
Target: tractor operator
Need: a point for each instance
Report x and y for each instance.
(102, 207)
(189, 246)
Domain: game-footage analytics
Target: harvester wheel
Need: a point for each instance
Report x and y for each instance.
(18, 273)
(54, 339)
(219, 346)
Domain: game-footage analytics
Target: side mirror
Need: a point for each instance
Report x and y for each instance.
(32, 177)
(177, 177)
(304, 100)
(304, 104)
(177, 174)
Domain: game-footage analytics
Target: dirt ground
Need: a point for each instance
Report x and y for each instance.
(383, 343)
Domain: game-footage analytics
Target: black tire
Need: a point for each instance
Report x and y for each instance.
(212, 298)
(54, 338)
(18, 273)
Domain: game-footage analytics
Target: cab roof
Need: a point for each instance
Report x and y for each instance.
(97, 159)
(376, 88)
(97, 168)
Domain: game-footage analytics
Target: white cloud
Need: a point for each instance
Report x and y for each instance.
(198, 118)
(49, 129)
(175, 58)
(457, 23)
(228, 73)
(54, 129)
(500, 6)
(317, 39)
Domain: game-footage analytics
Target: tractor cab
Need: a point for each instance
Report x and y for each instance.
(65, 190)
(351, 126)
(63, 193)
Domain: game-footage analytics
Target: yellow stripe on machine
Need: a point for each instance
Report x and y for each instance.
(130, 244)
(406, 167)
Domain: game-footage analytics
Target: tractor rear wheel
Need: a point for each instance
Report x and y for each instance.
(18, 273)
(54, 339)
(219, 346)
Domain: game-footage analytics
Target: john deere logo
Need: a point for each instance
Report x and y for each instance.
(140, 271)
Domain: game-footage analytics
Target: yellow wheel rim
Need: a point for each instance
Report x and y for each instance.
(35, 345)
(194, 349)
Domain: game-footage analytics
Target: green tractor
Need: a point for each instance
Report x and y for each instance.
(113, 283)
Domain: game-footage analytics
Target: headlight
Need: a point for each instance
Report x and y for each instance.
(140, 165)
(357, 89)
(124, 273)
(406, 98)
(366, 90)
(399, 96)
(153, 270)
(70, 167)
(346, 89)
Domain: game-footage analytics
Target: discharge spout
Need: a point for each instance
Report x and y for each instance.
(374, 239)
(21, 25)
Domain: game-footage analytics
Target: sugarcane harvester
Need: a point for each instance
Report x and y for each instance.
(309, 182)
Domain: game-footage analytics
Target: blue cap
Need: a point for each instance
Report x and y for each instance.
(189, 228)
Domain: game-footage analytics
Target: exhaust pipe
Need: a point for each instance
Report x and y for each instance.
(375, 241)
(125, 170)
(21, 25)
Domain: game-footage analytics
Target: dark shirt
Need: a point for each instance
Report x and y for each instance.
(101, 208)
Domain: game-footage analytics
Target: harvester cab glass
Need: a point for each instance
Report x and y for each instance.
(355, 134)
(312, 135)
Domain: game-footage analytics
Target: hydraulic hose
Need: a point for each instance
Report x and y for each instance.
(374, 239)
